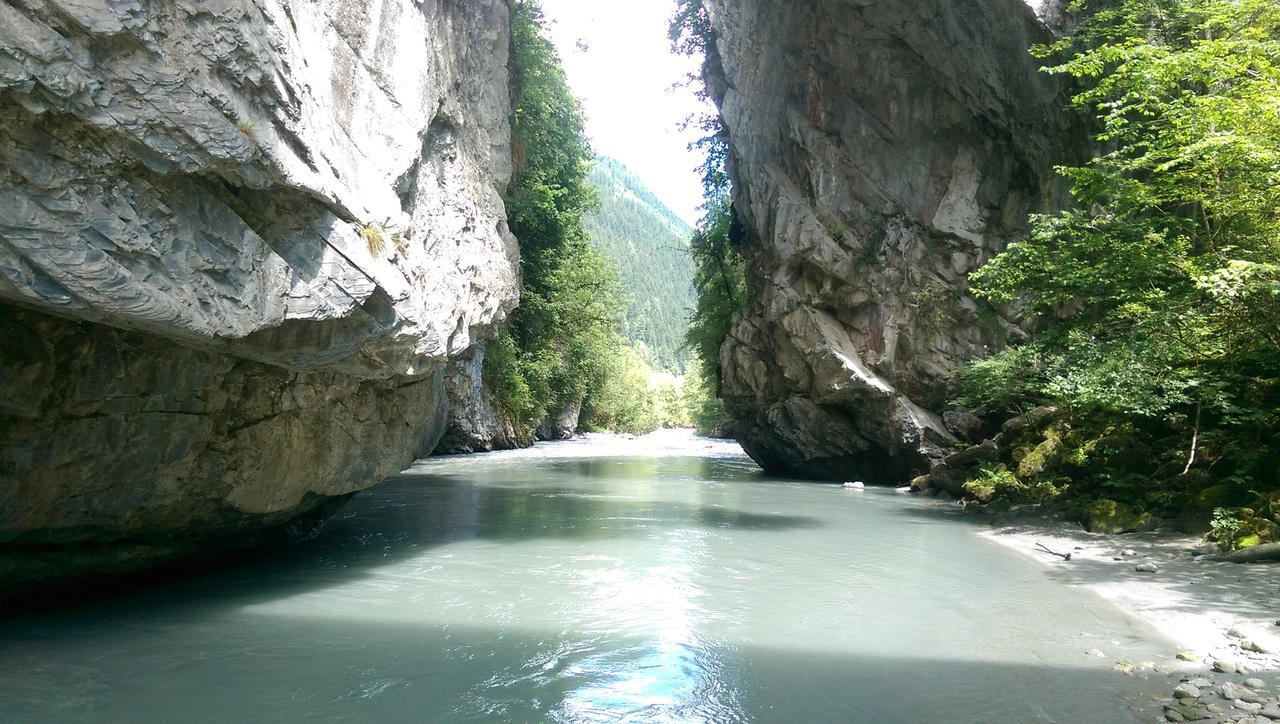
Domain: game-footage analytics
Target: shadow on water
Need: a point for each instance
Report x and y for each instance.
(410, 514)
(227, 646)
(331, 669)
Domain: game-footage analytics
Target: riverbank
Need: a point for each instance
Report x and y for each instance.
(1223, 618)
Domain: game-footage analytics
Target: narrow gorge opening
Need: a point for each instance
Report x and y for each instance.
(609, 127)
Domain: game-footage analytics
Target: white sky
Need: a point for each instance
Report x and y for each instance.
(623, 70)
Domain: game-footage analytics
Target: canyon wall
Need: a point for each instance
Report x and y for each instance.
(240, 240)
(880, 152)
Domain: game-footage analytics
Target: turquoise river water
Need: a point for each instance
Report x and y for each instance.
(659, 579)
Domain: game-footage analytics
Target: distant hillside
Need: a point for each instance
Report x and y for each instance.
(650, 245)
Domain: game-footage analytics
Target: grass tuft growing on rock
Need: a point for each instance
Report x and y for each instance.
(374, 238)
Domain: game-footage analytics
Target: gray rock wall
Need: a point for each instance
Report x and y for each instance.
(476, 421)
(239, 241)
(880, 152)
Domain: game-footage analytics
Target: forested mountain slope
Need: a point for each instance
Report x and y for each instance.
(649, 244)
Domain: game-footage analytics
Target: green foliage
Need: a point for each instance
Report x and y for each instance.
(1224, 526)
(565, 343)
(990, 481)
(1006, 383)
(691, 34)
(649, 245)
(720, 282)
(1160, 288)
(625, 401)
(504, 376)
(705, 410)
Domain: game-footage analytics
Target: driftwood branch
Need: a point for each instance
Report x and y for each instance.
(1256, 554)
(1063, 556)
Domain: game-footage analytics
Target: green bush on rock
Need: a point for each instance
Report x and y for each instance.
(1158, 291)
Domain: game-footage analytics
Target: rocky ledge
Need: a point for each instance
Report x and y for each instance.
(239, 242)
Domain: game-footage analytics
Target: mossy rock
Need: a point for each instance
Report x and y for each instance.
(1108, 516)
(1248, 541)
(1045, 455)
(1255, 532)
(1187, 712)
(979, 491)
(1218, 496)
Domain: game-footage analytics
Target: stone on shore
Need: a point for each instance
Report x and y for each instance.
(1186, 691)
(1235, 692)
(1186, 712)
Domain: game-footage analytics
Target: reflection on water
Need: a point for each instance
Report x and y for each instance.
(663, 579)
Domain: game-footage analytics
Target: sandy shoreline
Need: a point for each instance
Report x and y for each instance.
(1208, 610)
(1195, 604)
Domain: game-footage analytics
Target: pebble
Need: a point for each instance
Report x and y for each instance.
(1251, 707)
(1186, 691)
(1226, 667)
(1201, 682)
(1146, 568)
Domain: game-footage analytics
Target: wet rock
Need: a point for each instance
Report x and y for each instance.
(1095, 652)
(1271, 711)
(1187, 656)
(1146, 568)
(1254, 683)
(1250, 707)
(1225, 666)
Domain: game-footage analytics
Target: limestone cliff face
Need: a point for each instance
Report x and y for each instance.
(880, 151)
(239, 242)
(476, 421)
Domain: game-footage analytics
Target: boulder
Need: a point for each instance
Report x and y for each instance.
(239, 243)
(880, 152)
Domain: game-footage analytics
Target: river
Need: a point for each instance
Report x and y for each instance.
(658, 579)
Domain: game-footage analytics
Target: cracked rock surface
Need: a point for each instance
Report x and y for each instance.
(880, 152)
(239, 242)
